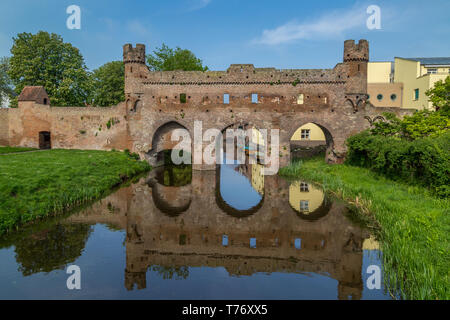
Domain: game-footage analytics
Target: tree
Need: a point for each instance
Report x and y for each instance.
(108, 84)
(440, 96)
(5, 82)
(167, 59)
(46, 60)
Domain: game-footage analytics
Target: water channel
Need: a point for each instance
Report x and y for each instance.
(178, 233)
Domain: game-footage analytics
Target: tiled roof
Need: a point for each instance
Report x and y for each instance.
(32, 93)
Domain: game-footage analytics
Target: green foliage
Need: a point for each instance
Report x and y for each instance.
(46, 60)
(168, 59)
(5, 82)
(108, 84)
(424, 123)
(133, 155)
(440, 96)
(38, 184)
(414, 226)
(425, 160)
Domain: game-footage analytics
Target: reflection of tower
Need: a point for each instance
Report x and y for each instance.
(135, 278)
(350, 279)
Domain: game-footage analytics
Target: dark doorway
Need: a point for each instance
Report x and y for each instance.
(45, 140)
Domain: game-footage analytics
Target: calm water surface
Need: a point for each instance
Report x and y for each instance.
(182, 234)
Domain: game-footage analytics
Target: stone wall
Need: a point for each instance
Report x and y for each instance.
(4, 127)
(70, 127)
(262, 98)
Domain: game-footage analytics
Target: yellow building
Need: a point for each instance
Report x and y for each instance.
(382, 91)
(417, 76)
(309, 132)
(305, 198)
(404, 83)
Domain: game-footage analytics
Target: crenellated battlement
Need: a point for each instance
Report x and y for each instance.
(356, 52)
(134, 55)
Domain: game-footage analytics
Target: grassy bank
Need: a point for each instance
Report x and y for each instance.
(5, 150)
(39, 184)
(414, 225)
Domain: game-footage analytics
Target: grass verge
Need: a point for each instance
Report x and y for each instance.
(40, 184)
(414, 225)
(6, 150)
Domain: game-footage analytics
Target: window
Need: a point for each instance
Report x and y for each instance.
(304, 205)
(431, 70)
(300, 98)
(304, 187)
(225, 240)
(252, 242)
(380, 97)
(254, 98)
(305, 134)
(298, 243)
(416, 94)
(183, 97)
(393, 97)
(226, 98)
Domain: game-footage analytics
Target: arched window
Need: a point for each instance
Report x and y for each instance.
(393, 97)
(380, 97)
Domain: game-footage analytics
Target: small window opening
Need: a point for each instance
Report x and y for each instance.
(183, 97)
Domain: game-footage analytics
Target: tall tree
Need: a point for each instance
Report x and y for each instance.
(5, 82)
(45, 59)
(108, 84)
(167, 59)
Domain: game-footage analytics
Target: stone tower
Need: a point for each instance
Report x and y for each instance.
(134, 55)
(356, 57)
(135, 67)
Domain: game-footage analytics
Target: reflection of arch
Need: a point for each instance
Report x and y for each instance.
(225, 207)
(318, 203)
(160, 201)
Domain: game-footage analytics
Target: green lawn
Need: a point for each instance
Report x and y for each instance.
(5, 150)
(413, 225)
(38, 184)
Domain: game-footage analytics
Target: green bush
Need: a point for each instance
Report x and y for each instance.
(424, 161)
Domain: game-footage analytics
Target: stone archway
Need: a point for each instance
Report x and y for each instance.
(162, 143)
(330, 155)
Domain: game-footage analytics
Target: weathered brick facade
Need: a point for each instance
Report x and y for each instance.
(157, 102)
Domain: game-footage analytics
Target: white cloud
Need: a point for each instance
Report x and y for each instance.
(198, 4)
(330, 25)
(138, 28)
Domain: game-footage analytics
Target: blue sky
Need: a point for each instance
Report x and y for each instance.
(282, 34)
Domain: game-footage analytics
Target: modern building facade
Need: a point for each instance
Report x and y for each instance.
(404, 83)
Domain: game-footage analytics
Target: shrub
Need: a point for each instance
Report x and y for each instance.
(424, 161)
